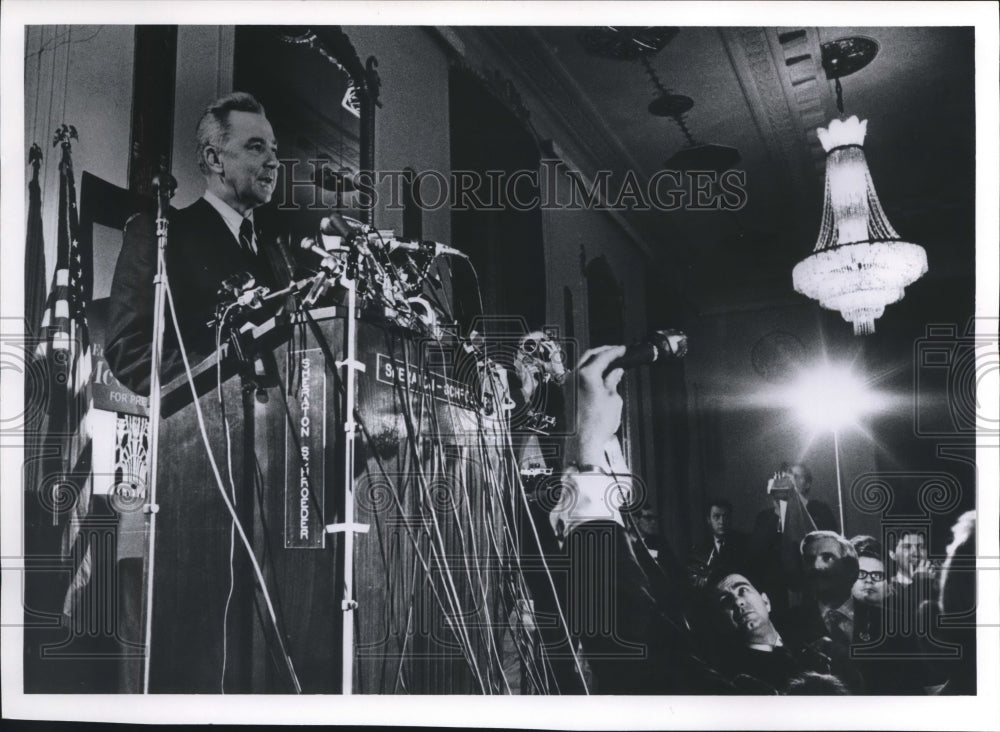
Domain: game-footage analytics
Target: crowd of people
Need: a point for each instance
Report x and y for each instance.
(794, 607)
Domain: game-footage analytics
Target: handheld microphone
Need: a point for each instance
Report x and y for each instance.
(660, 345)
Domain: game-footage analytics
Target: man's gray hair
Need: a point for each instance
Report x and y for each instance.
(214, 128)
(813, 536)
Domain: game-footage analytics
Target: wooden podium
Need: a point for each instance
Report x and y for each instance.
(433, 491)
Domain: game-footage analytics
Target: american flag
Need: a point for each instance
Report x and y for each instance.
(65, 344)
(35, 390)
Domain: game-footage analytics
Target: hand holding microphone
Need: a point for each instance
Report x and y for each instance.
(661, 345)
(599, 405)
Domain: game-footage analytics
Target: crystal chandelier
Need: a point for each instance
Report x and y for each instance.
(859, 263)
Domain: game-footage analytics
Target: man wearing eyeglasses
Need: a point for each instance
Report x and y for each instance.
(871, 586)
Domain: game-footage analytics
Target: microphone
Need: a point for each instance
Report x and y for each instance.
(310, 245)
(329, 263)
(254, 298)
(337, 225)
(660, 345)
(433, 248)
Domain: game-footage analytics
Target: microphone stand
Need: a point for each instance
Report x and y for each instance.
(351, 365)
(163, 186)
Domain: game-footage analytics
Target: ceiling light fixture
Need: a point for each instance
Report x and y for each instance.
(859, 263)
(695, 155)
(638, 44)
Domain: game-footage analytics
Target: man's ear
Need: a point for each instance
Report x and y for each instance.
(210, 154)
(767, 602)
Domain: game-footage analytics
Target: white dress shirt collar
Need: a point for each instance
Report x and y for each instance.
(769, 647)
(231, 216)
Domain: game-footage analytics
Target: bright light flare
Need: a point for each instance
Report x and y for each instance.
(829, 397)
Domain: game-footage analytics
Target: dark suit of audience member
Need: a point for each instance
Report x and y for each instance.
(773, 551)
(802, 481)
(724, 551)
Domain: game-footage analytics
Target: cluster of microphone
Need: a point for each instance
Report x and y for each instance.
(337, 234)
(347, 231)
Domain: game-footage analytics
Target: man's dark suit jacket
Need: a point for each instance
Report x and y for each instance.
(733, 558)
(201, 252)
(819, 512)
(822, 516)
(774, 669)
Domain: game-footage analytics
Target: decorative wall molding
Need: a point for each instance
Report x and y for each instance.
(757, 69)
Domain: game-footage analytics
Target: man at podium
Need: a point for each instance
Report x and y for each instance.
(209, 241)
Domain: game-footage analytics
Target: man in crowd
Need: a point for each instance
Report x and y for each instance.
(798, 477)
(830, 568)
(725, 549)
(910, 557)
(210, 240)
(626, 613)
(820, 512)
(756, 648)
(871, 587)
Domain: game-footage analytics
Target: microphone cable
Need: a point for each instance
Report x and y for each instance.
(232, 487)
